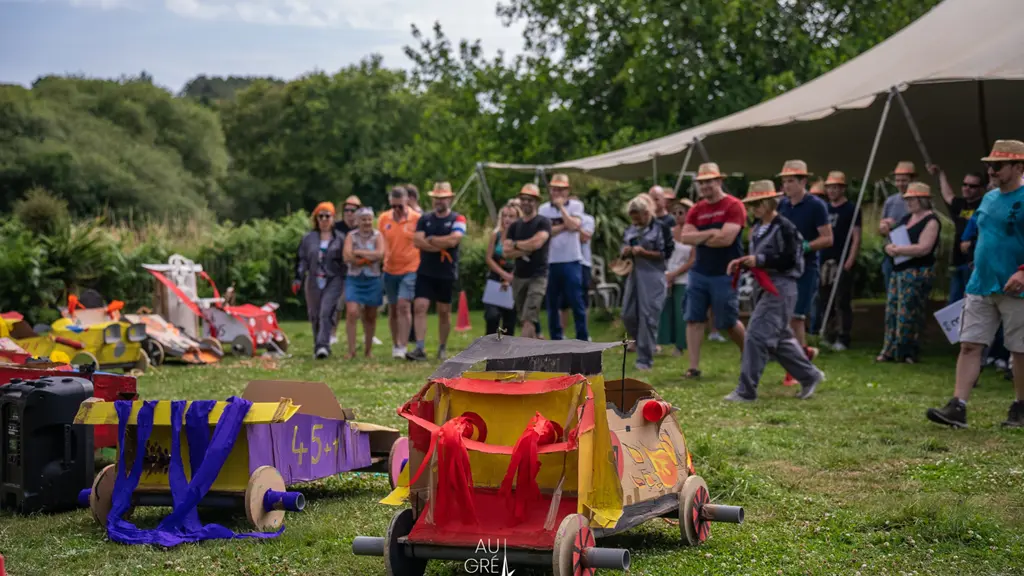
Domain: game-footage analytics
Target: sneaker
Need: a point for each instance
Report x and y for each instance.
(1000, 365)
(1016, 417)
(789, 380)
(417, 355)
(321, 353)
(811, 352)
(334, 340)
(442, 354)
(398, 352)
(953, 414)
(642, 367)
(377, 341)
(839, 347)
(735, 397)
(716, 337)
(808, 391)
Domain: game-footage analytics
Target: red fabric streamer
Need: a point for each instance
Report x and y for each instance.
(454, 500)
(525, 465)
(114, 307)
(760, 276)
(74, 304)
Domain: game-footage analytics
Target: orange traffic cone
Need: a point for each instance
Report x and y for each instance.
(462, 322)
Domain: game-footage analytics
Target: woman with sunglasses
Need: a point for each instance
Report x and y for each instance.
(364, 290)
(321, 267)
(913, 274)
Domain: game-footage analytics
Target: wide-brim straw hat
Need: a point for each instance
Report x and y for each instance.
(818, 188)
(353, 201)
(761, 190)
(684, 202)
(918, 190)
(441, 190)
(794, 168)
(708, 171)
(905, 168)
(836, 178)
(621, 267)
(559, 181)
(1006, 151)
(530, 190)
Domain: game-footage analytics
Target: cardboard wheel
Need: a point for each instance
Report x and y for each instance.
(398, 458)
(86, 360)
(573, 537)
(141, 365)
(395, 562)
(213, 345)
(155, 351)
(282, 344)
(101, 499)
(242, 346)
(263, 479)
(694, 495)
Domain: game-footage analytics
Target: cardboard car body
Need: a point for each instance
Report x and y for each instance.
(166, 341)
(89, 337)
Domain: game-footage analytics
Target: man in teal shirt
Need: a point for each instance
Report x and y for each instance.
(994, 293)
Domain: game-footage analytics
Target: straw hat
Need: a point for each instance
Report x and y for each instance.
(818, 188)
(441, 190)
(905, 168)
(761, 190)
(918, 190)
(794, 168)
(836, 177)
(530, 190)
(559, 181)
(708, 171)
(1006, 151)
(352, 201)
(684, 201)
(621, 267)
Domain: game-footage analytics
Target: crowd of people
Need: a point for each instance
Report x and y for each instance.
(682, 262)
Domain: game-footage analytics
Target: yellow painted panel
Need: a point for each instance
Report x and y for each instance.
(233, 477)
(96, 413)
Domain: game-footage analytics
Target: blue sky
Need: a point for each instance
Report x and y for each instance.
(175, 40)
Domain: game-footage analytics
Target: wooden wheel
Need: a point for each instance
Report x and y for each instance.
(101, 499)
(155, 351)
(86, 360)
(573, 537)
(398, 458)
(694, 529)
(263, 479)
(141, 365)
(395, 562)
(243, 346)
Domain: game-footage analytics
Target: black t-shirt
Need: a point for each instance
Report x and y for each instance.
(914, 232)
(340, 226)
(534, 264)
(437, 264)
(841, 219)
(668, 222)
(960, 210)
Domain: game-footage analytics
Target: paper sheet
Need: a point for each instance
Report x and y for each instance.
(949, 319)
(900, 237)
(496, 295)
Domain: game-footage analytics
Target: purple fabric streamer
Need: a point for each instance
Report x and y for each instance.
(182, 524)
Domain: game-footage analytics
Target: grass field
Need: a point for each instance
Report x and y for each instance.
(852, 481)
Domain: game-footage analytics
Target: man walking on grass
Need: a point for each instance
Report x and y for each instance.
(995, 292)
(565, 257)
(527, 241)
(438, 235)
(401, 259)
(713, 225)
(810, 216)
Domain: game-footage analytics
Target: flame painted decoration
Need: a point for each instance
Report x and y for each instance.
(663, 459)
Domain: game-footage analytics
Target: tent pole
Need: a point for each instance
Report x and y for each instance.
(486, 192)
(913, 125)
(856, 211)
(700, 148)
(682, 171)
(462, 190)
(654, 167)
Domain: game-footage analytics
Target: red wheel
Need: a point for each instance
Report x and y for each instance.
(695, 529)
(573, 537)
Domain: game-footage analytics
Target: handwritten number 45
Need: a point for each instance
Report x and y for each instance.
(299, 447)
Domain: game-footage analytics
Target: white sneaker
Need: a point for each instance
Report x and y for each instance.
(334, 340)
(1000, 365)
(377, 341)
(398, 352)
(716, 337)
(838, 347)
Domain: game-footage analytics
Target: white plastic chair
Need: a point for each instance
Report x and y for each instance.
(609, 292)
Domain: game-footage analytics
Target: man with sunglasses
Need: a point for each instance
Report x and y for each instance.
(995, 292)
(401, 260)
(960, 210)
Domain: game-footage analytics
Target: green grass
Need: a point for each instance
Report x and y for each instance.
(852, 481)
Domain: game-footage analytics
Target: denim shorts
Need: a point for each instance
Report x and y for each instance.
(400, 287)
(806, 288)
(715, 292)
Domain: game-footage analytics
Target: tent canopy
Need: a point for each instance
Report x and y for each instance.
(958, 68)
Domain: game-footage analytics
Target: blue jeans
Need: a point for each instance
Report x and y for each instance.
(715, 292)
(807, 287)
(958, 280)
(565, 284)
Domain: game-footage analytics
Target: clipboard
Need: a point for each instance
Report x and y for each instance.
(497, 295)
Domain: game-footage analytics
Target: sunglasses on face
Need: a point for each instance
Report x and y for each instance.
(350, 210)
(324, 216)
(996, 166)
(971, 185)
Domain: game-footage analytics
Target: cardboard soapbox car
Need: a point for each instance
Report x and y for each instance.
(166, 341)
(293, 432)
(541, 455)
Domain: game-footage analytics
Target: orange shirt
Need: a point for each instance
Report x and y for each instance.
(400, 255)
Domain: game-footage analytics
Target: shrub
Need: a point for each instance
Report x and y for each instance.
(42, 212)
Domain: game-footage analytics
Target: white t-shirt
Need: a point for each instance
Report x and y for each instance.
(587, 225)
(680, 256)
(564, 247)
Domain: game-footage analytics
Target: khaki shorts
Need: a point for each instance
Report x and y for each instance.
(529, 295)
(983, 314)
